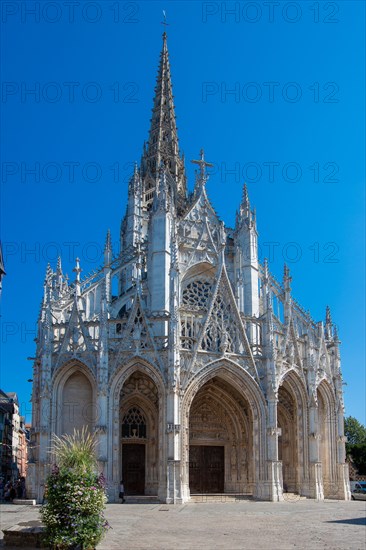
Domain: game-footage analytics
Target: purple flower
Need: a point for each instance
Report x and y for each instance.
(102, 480)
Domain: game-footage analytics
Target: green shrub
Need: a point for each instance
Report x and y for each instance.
(76, 495)
(358, 454)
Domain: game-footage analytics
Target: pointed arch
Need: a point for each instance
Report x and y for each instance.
(198, 270)
(327, 429)
(155, 414)
(74, 397)
(292, 418)
(242, 384)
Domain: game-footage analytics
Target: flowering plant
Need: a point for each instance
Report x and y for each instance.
(76, 495)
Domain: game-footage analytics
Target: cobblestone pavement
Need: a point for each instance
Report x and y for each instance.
(231, 525)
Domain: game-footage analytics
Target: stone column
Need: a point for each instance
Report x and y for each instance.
(101, 431)
(315, 488)
(174, 490)
(343, 486)
(272, 490)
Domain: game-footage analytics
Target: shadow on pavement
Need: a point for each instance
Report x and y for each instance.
(354, 521)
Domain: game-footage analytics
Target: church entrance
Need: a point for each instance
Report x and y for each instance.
(206, 469)
(220, 444)
(133, 468)
(139, 431)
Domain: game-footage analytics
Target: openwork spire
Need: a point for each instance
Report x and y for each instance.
(163, 144)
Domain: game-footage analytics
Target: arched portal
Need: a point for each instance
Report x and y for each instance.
(220, 440)
(139, 434)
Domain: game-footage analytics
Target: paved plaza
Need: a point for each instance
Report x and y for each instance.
(230, 525)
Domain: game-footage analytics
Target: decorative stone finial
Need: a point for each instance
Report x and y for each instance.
(77, 269)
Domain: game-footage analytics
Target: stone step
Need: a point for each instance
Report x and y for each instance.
(220, 497)
(24, 501)
(27, 534)
(142, 499)
(293, 497)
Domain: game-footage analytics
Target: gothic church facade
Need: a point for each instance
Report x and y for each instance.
(200, 373)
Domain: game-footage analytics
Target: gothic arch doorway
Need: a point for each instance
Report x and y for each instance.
(139, 413)
(220, 440)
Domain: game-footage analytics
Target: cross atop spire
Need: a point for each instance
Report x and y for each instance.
(202, 177)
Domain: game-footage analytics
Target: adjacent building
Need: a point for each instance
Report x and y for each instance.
(196, 369)
(14, 438)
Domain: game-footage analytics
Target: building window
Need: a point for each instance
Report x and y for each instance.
(134, 424)
(197, 294)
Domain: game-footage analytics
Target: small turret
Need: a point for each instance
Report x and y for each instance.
(246, 240)
(245, 214)
(286, 282)
(245, 204)
(108, 250)
(77, 270)
(328, 329)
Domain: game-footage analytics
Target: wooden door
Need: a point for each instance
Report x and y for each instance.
(206, 469)
(133, 468)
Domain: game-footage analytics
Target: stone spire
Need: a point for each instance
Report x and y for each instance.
(59, 265)
(77, 270)
(49, 274)
(245, 204)
(286, 279)
(328, 317)
(108, 249)
(328, 324)
(134, 185)
(59, 274)
(59, 281)
(163, 144)
(245, 213)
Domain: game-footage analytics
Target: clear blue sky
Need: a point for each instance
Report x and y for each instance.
(293, 128)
